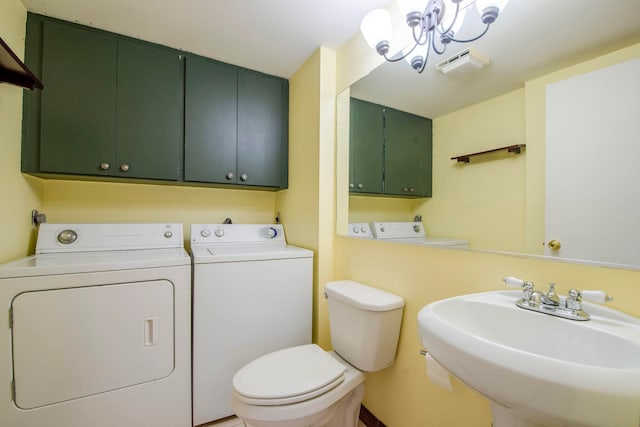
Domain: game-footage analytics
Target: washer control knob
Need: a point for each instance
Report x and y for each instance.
(355, 229)
(168, 234)
(67, 237)
(363, 229)
(219, 232)
(271, 233)
(416, 228)
(205, 233)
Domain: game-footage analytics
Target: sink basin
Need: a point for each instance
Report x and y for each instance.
(539, 370)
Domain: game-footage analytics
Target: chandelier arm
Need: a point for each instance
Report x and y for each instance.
(426, 57)
(399, 58)
(417, 39)
(472, 39)
(435, 48)
(453, 22)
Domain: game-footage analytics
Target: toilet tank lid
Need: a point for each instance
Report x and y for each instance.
(362, 296)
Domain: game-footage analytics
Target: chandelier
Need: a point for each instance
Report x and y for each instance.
(434, 24)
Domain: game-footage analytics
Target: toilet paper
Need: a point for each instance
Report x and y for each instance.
(437, 374)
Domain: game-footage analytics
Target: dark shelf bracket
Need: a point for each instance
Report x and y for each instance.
(515, 149)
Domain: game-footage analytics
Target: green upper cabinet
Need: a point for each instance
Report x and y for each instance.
(123, 108)
(112, 107)
(78, 116)
(408, 151)
(236, 125)
(366, 148)
(211, 116)
(149, 112)
(390, 151)
(263, 125)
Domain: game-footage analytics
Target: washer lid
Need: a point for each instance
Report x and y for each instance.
(288, 376)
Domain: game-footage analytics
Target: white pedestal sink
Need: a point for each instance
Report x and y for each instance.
(539, 370)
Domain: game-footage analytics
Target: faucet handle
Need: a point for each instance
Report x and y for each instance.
(527, 287)
(596, 296)
(514, 282)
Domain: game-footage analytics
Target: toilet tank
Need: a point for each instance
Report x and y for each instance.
(364, 324)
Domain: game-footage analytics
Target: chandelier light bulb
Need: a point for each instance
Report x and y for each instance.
(413, 10)
(376, 29)
(490, 9)
(417, 57)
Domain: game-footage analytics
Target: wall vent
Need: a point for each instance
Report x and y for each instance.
(463, 60)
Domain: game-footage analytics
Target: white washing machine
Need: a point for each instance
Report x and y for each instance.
(412, 233)
(96, 330)
(252, 294)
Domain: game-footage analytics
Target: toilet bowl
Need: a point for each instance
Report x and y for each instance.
(305, 386)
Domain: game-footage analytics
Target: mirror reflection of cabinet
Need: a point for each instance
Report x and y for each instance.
(390, 151)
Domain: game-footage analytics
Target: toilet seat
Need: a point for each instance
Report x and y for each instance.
(288, 376)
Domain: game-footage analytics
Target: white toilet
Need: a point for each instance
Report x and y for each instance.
(306, 386)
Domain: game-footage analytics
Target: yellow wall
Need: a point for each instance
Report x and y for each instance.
(19, 194)
(308, 206)
(481, 201)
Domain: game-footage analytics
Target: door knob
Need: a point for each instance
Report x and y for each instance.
(554, 245)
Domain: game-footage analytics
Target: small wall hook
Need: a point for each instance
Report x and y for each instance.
(37, 218)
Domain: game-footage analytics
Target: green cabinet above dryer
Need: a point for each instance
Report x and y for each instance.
(390, 151)
(112, 106)
(116, 107)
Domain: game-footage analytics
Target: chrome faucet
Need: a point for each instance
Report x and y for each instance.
(551, 298)
(569, 307)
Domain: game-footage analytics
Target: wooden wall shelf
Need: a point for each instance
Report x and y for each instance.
(13, 70)
(516, 149)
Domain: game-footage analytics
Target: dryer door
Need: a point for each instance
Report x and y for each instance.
(76, 342)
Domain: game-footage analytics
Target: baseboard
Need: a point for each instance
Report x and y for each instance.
(368, 419)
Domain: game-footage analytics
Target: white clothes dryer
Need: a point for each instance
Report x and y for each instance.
(98, 328)
(413, 233)
(252, 294)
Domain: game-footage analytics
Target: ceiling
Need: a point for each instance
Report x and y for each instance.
(272, 36)
(529, 39)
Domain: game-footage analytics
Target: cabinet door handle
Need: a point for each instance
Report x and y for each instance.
(105, 166)
(411, 190)
(124, 167)
(244, 177)
(405, 189)
(351, 185)
(360, 186)
(230, 175)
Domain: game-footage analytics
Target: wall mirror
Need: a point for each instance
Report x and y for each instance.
(497, 201)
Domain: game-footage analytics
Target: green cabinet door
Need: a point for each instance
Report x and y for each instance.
(149, 112)
(366, 147)
(78, 112)
(262, 129)
(408, 149)
(211, 111)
